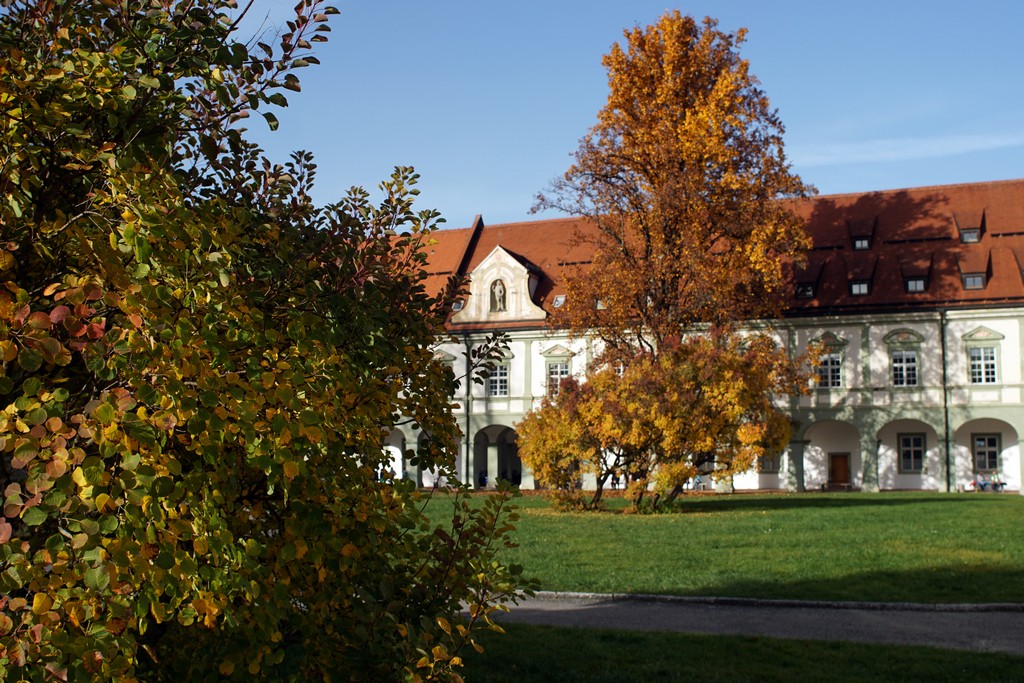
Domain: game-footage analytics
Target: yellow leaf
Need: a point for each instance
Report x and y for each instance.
(445, 626)
(227, 667)
(200, 545)
(78, 476)
(349, 550)
(291, 470)
(41, 603)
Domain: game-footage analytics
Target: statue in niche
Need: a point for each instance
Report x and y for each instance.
(497, 296)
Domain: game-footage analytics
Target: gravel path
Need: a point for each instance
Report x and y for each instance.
(986, 628)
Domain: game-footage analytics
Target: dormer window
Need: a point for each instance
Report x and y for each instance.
(974, 280)
(559, 301)
(805, 290)
(601, 305)
(970, 235)
(861, 243)
(457, 306)
(859, 287)
(914, 284)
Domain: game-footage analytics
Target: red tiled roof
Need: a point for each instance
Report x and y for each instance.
(917, 234)
(911, 233)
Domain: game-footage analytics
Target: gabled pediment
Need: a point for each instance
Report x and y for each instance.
(830, 340)
(903, 337)
(501, 289)
(557, 351)
(982, 334)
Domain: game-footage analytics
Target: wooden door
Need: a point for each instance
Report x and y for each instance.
(839, 470)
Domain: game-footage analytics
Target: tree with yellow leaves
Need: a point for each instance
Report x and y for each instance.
(704, 403)
(687, 199)
(681, 178)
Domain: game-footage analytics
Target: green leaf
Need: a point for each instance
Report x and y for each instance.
(271, 120)
(29, 360)
(33, 516)
(105, 413)
(97, 578)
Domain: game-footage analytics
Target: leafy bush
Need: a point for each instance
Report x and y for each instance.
(200, 367)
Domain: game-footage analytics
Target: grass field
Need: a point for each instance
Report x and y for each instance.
(541, 654)
(892, 547)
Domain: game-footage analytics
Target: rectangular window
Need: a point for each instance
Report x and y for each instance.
(915, 284)
(830, 371)
(769, 464)
(912, 447)
(861, 244)
(859, 287)
(974, 281)
(904, 368)
(985, 448)
(970, 235)
(556, 373)
(497, 382)
(805, 291)
(983, 364)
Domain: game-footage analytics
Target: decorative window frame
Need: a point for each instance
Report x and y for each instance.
(498, 381)
(903, 341)
(835, 348)
(560, 357)
(982, 338)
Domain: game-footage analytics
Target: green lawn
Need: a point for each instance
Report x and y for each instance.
(910, 547)
(542, 654)
(864, 547)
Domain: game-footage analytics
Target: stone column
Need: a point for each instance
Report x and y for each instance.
(795, 473)
(869, 446)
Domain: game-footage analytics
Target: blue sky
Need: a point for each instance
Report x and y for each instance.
(488, 99)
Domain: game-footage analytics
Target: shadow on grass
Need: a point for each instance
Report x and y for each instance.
(796, 501)
(950, 584)
(529, 654)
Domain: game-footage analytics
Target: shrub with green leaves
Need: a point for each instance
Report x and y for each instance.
(199, 367)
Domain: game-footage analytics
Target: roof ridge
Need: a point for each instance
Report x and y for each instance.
(892, 190)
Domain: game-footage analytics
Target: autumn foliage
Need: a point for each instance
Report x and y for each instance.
(681, 179)
(704, 404)
(199, 367)
(681, 183)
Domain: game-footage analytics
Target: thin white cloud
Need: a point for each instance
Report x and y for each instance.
(899, 149)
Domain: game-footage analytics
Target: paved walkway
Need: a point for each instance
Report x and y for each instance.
(986, 628)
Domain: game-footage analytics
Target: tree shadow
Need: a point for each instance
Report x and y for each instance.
(883, 239)
(797, 501)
